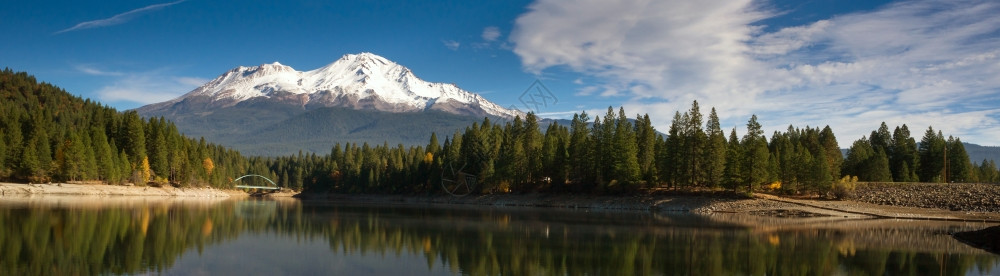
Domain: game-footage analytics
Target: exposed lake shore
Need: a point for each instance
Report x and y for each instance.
(64, 189)
(924, 201)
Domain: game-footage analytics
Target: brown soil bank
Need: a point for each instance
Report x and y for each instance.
(967, 197)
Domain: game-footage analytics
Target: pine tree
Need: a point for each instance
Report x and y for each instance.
(877, 168)
(124, 167)
(532, 146)
(134, 137)
(715, 150)
(433, 146)
(904, 156)
(931, 151)
(834, 158)
(695, 141)
(625, 151)
(646, 141)
(106, 167)
(673, 160)
(988, 172)
(959, 169)
(758, 161)
(733, 174)
(579, 150)
(28, 165)
(881, 139)
(3, 154)
(821, 178)
(858, 157)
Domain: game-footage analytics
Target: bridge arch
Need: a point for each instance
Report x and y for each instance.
(274, 186)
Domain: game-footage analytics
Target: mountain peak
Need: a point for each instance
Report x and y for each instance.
(359, 81)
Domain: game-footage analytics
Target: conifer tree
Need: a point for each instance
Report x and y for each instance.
(598, 151)
(3, 154)
(433, 146)
(757, 156)
(134, 137)
(834, 158)
(646, 142)
(106, 167)
(858, 157)
(881, 139)
(931, 151)
(959, 168)
(28, 166)
(694, 142)
(625, 151)
(733, 175)
(903, 161)
(673, 160)
(877, 168)
(715, 150)
(124, 167)
(579, 150)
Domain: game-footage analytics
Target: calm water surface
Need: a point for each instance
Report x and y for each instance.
(70, 236)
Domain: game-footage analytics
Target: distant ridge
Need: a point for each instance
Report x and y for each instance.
(272, 109)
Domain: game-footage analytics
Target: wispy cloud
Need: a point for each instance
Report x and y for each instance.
(118, 18)
(90, 70)
(141, 88)
(451, 44)
(925, 62)
(491, 33)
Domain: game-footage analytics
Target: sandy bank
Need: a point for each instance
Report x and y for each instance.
(11, 189)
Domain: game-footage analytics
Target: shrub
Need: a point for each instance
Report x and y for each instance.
(844, 188)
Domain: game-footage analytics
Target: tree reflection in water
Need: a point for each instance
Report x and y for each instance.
(68, 239)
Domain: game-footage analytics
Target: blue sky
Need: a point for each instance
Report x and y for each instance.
(847, 64)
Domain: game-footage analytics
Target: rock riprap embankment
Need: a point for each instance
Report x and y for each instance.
(969, 197)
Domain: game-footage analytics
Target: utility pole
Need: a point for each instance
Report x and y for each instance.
(945, 175)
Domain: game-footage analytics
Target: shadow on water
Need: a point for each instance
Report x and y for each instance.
(67, 237)
(988, 239)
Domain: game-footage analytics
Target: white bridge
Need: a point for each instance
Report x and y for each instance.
(273, 185)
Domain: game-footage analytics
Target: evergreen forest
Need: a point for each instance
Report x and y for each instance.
(49, 135)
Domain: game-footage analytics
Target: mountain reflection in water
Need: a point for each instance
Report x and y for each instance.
(70, 236)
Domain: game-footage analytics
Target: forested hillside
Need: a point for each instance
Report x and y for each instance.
(49, 135)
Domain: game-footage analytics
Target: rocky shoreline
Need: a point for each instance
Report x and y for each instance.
(964, 197)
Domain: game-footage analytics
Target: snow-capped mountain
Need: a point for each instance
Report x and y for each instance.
(358, 81)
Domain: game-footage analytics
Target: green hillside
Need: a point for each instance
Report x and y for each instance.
(47, 134)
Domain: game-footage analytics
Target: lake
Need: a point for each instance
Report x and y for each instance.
(173, 236)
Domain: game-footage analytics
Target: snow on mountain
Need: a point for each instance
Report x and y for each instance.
(360, 81)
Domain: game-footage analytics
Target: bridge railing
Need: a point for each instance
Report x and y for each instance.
(273, 187)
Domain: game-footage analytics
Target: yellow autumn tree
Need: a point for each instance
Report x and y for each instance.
(208, 165)
(144, 172)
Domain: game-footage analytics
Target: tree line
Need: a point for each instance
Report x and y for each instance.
(47, 135)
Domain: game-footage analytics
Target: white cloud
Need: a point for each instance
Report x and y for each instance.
(141, 88)
(90, 70)
(922, 63)
(118, 18)
(491, 33)
(451, 44)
